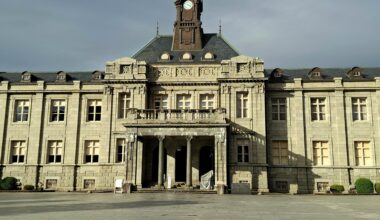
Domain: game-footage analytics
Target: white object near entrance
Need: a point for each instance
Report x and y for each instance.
(119, 186)
(206, 181)
(169, 182)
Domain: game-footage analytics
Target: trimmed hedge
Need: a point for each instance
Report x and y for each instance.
(377, 187)
(28, 187)
(337, 188)
(8, 183)
(364, 186)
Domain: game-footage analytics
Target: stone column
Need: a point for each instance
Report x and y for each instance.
(160, 160)
(188, 162)
(139, 161)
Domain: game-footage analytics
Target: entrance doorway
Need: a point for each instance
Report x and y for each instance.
(155, 164)
(206, 160)
(180, 164)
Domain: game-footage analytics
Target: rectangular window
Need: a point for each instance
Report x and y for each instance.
(279, 109)
(58, 109)
(51, 184)
(22, 111)
(318, 109)
(207, 101)
(120, 151)
(124, 104)
(280, 153)
(282, 186)
(94, 110)
(89, 184)
(92, 151)
(243, 154)
(184, 102)
(18, 151)
(362, 153)
(161, 102)
(242, 105)
(55, 151)
(321, 153)
(359, 109)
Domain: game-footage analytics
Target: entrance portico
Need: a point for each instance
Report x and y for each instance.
(174, 153)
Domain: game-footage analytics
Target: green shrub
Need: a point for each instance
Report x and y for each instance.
(28, 187)
(8, 183)
(363, 186)
(377, 187)
(337, 188)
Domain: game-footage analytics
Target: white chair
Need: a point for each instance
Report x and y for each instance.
(119, 186)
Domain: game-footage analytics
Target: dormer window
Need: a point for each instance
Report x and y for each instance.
(96, 75)
(26, 77)
(61, 76)
(165, 57)
(355, 72)
(277, 73)
(315, 73)
(187, 56)
(208, 56)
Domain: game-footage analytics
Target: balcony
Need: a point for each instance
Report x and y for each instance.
(151, 117)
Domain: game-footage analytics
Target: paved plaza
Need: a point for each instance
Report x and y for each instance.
(73, 206)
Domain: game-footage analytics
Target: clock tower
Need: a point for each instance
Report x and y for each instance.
(188, 26)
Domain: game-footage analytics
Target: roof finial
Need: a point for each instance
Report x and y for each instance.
(158, 29)
(220, 27)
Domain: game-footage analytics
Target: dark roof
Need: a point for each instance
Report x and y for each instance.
(48, 76)
(213, 43)
(328, 74)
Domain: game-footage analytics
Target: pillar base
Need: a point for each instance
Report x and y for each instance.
(221, 189)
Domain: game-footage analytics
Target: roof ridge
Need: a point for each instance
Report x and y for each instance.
(228, 43)
(146, 45)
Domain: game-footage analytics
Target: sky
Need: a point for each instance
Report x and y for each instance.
(82, 35)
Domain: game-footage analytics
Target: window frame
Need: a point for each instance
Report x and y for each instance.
(125, 103)
(318, 111)
(182, 98)
(88, 112)
(19, 154)
(276, 109)
(207, 101)
(92, 148)
(319, 160)
(370, 152)
(359, 114)
(242, 104)
(122, 154)
(279, 149)
(243, 153)
(160, 98)
(15, 111)
(55, 152)
(59, 111)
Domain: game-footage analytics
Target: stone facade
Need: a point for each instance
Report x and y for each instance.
(164, 117)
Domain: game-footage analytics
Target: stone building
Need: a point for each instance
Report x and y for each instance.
(185, 105)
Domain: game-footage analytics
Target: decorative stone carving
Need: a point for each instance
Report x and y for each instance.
(110, 69)
(208, 71)
(226, 89)
(125, 69)
(162, 72)
(243, 68)
(185, 72)
(108, 90)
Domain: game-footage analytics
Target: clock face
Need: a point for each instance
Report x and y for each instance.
(188, 5)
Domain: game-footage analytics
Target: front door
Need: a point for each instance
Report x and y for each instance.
(180, 164)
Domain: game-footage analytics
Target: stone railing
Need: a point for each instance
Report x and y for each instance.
(148, 116)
